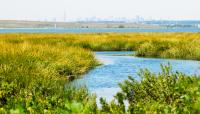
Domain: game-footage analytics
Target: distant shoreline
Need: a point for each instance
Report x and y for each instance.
(162, 24)
(7, 24)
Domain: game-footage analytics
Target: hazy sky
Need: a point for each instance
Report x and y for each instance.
(51, 9)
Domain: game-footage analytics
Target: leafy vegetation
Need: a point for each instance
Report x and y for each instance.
(165, 92)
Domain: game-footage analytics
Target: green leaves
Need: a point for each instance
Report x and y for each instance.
(165, 92)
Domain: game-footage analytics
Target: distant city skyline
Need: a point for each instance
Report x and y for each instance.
(80, 10)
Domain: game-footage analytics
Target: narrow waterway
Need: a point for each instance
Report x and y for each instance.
(117, 66)
(94, 30)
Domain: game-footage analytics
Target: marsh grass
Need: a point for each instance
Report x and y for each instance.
(34, 70)
(33, 77)
(162, 45)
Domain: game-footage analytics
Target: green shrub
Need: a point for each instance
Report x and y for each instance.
(165, 92)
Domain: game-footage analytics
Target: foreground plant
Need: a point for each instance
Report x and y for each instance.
(165, 92)
(33, 79)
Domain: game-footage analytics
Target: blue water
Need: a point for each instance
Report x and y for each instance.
(104, 79)
(92, 30)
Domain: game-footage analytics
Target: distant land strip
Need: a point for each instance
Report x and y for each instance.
(41, 24)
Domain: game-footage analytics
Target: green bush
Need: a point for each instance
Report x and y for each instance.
(165, 92)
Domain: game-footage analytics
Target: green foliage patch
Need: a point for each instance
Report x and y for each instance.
(165, 92)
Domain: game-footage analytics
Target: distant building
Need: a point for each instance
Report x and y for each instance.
(197, 25)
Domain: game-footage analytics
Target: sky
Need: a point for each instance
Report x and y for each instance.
(60, 10)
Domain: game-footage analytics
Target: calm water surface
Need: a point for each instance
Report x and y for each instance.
(87, 30)
(104, 79)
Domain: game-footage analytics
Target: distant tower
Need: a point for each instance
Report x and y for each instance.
(55, 25)
(64, 19)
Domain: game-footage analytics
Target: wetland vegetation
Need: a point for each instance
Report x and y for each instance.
(35, 70)
(164, 45)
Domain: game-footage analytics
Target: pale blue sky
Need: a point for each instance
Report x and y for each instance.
(50, 9)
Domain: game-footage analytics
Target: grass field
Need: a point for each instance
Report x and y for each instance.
(163, 45)
(35, 70)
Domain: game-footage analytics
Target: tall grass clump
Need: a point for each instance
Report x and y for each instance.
(165, 92)
(33, 78)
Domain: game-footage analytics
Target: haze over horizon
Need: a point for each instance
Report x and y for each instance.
(71, 10)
